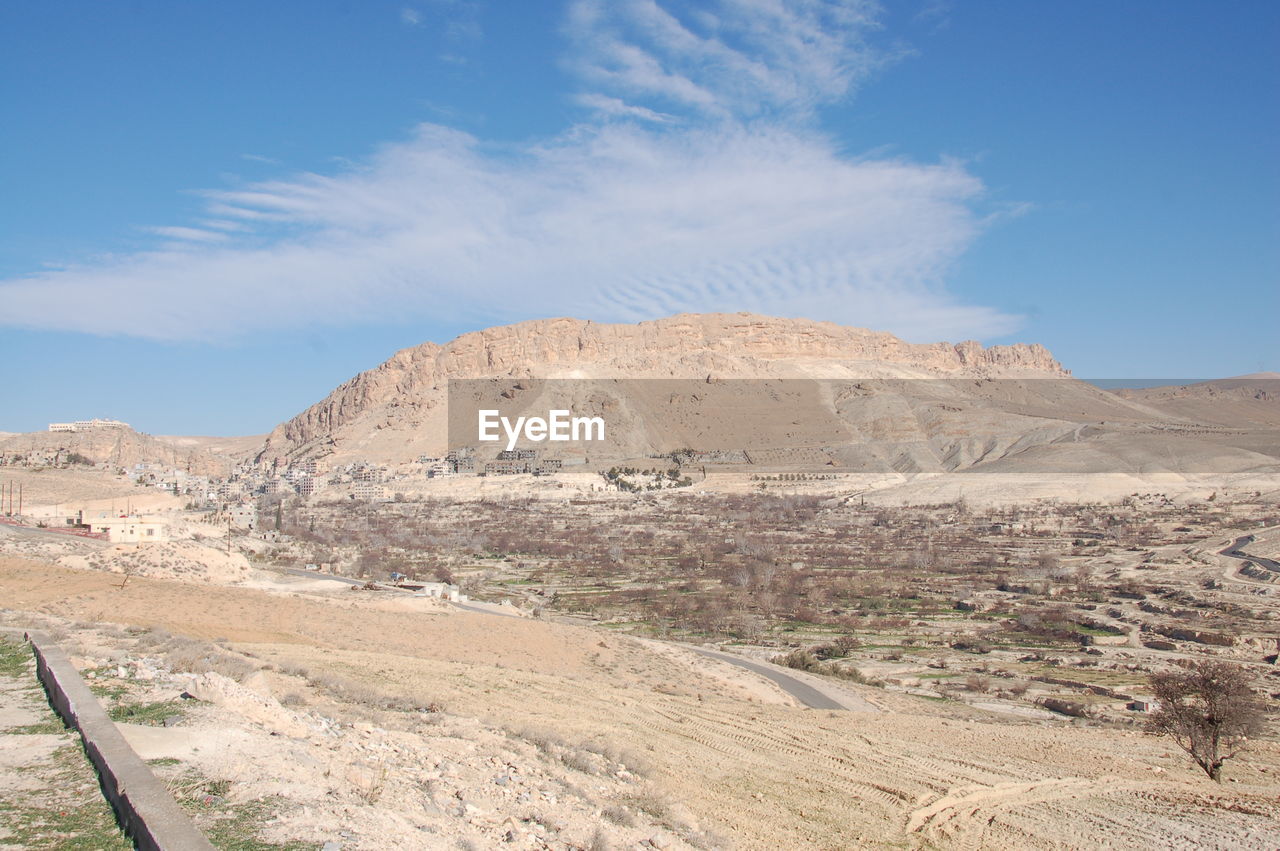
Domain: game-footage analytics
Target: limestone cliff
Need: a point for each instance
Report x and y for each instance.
(387, 413)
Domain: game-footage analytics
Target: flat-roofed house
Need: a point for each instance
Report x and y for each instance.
(131, 530)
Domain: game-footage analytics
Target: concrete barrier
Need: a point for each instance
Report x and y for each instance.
(146, 810)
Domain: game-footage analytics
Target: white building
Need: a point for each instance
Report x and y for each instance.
(368, 491)
(131, 530)
(243, 516)
(442, 590)
(277, 486)
(311, 485)
(87, 425)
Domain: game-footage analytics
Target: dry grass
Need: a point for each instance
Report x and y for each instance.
(595, 757)
(651, 801)
(362, 693)
(370, 786)
(619, 815)
(806, 660)
(191, 656)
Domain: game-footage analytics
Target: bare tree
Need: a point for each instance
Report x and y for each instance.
(1209, 709)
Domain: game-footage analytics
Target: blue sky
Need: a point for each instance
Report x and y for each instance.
(213, 213)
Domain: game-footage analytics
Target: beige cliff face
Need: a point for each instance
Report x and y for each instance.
(649, 346)
(396, 411)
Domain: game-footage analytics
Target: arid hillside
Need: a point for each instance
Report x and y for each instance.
(123, 448)
(397, 411)
(400, 722)
(779, 394)
(1250, 400)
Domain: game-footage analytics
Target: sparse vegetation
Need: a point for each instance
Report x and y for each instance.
(192, 656)
(1052, 615)
(152, 714)
(63, 809)
(1002, 593)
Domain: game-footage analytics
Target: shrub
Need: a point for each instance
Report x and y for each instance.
(618, 815)
(1209, 709)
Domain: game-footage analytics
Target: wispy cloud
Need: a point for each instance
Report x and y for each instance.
(410, 17)
(934, 14)
(697, 184)
(741, 58)
(618, 108)
(188, 234)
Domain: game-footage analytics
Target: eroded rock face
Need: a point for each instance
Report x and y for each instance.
(405, 393)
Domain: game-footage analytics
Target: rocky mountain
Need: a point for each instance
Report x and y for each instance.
(124, 447)
(778, 394)
(394, 411)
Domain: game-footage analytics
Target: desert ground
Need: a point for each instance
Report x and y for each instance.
(983, 634)
(389, 721)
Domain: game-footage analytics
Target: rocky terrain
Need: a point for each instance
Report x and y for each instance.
(316, 716)
(743, 398)
(122, 448)
(952, 543)
(774, 395)
(395, 411)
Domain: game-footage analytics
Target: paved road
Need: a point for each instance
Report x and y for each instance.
(483, 611)
(801, 691)
(47, 534)
(1235, 550)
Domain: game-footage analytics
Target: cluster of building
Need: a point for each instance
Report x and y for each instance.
(362, 480)
(174, 481)
(511, 462)
(456, 462)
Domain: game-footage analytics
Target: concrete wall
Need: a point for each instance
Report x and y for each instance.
(144, 807)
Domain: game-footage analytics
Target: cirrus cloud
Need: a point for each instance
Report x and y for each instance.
(696, 183)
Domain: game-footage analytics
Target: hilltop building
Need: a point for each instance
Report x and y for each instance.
(88, 425)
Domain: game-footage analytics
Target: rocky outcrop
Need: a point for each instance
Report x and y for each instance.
(117, 448)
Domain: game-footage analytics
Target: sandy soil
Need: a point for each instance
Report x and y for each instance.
(747, 763)
(73, 488)
(182, 560)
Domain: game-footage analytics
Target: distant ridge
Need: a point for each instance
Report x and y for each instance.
(395, 411)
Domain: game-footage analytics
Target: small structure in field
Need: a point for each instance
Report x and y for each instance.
(130, 529)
